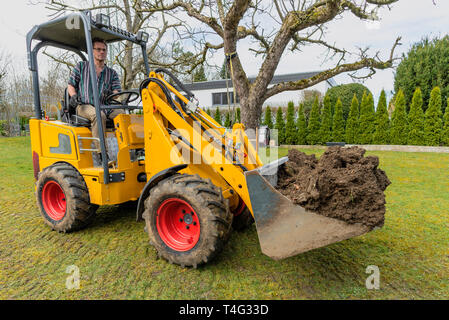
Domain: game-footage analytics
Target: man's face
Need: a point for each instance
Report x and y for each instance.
(100, 51)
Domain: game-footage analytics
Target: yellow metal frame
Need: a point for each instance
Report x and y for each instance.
(44, 136)
(195, 139)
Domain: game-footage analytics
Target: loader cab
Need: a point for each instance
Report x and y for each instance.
(74, 33)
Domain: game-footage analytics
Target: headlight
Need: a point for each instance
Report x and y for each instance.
(142, 36)
(102, 20)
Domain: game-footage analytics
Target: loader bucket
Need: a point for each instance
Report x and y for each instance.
(285, 229)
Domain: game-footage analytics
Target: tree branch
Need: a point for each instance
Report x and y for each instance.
(190, 10)
(364, 62)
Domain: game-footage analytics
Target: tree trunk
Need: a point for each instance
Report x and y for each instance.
(252, 96)
(251, 107)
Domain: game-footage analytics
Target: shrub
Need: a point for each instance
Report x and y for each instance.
(237, 115)
(301, 126)
(3, 127)
(290, 127)
(308, 99)
(345, 93)
(227, 122)
(382, 121)
(313, 129)
(426, 66)
(280, 126)
(432, 121)
(338, 123)
(366, 120)
(217, 116)
(399, 125)
(445, 132)
(326, 121)
(416, 120)
(352, 127)
(268, 120)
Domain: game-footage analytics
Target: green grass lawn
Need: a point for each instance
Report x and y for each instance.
(116, 261)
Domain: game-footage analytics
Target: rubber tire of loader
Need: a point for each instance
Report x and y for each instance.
(74, 211)
(210, 212)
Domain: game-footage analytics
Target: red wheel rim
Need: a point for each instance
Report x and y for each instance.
(178, 224)
(240, 208)
(53, 200)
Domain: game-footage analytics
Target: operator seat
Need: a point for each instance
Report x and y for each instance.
(69, 115)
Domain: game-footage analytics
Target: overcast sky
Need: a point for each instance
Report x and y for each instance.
(411, 19)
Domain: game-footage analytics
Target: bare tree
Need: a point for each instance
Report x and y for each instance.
(4, 66)
(52, 86)
(18, 95)
(274, 26)
(4, 62)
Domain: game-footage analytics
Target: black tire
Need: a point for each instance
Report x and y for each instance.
(76, 211)
(210, 213)
(243, 220)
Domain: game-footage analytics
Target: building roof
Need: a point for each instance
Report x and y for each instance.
(221, 84)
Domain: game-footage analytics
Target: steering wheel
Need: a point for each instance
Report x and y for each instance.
(131, 97)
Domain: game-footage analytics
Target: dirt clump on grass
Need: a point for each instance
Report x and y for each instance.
(342, 184)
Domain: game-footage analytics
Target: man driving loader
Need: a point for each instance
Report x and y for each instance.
(80, 90)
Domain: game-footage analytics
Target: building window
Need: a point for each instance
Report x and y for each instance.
(221, 98)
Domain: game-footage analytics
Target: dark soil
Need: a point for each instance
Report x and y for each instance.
(342, 184)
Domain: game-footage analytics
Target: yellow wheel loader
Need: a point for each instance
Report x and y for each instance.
(193, 180)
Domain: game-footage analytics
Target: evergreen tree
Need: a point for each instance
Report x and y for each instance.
(217, 116)
(268, 121)
(433, 123)
(224, 72)
(338, 123)
(358, 138)
(399, 125)
(227, 123)
(313, 129)
(366, 120)
(301, 126)
(208, 111)
(445, 132)
(426, 66)
(326, 121)
(416, 120)
(352, 125)
(280, 126)
(199, 74)
(290, 127)
(345, 92)
(382, 121)
(237, 115)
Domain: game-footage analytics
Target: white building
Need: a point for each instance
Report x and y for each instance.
(212, 94)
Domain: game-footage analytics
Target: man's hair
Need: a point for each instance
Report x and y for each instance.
(94, 40)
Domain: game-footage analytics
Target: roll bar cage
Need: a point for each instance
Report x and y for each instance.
(75, 33)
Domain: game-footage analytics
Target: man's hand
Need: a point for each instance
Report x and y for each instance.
(74, 101)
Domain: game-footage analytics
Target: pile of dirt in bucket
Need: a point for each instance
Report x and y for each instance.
(342, 184)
